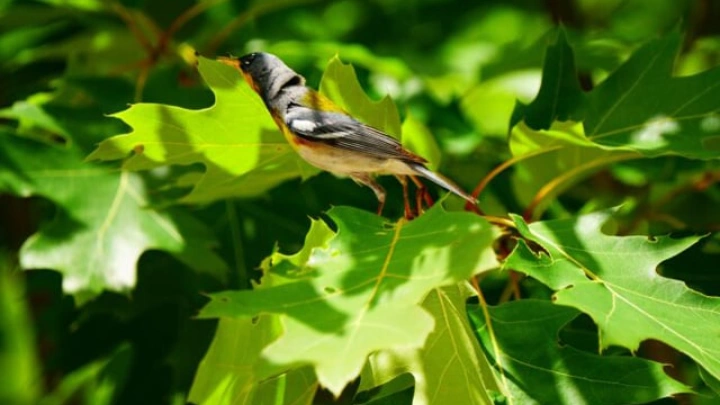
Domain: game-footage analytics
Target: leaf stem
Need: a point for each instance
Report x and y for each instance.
(532, 212)
(129, 21)
(493, 340)
(504, 165)
(179, 22)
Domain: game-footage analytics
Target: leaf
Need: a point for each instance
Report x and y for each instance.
(341, 85)
(243, 152)
(560, 96)
(489, 104)
(522, 338)
(629, 111)
(451, 354)
(360, 290)
(627, 116)
(712, 382)
(22, 372)
(417, 138)
(561, 156)
(230, 372)
(614, 280)
(233, 369)
(102, 225)
(681, 116)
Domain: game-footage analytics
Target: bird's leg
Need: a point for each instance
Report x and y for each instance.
(366, 180)
(408, 211)
(421, 194)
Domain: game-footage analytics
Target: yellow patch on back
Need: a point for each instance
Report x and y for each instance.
(319, 102)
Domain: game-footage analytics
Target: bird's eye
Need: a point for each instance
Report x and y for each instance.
(248, 59)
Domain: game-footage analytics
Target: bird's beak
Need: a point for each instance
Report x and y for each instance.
(235, 62)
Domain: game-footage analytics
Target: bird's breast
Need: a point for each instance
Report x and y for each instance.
(340, 161)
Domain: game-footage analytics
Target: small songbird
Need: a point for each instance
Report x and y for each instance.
(327, 136)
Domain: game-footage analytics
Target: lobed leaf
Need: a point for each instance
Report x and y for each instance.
(615, 281)
(103, 224)
(522, 338)
(360, 290)
(236, 140)
(340, 84)
(231, 371)
(640, 110)
(450, 367)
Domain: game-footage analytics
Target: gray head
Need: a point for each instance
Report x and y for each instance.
(269, 74)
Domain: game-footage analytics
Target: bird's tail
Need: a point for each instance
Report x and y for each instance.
(441, 181)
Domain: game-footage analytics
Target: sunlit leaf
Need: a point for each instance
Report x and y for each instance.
(231, 371)
(417, 138)
(361, 290)
(451, 354)
(341, 85)
(243, 152)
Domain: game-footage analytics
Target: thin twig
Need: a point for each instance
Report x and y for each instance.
(141, 81)
(505, 165)
(243, 18)
(531, 212)
(180, 21)
(129, 21)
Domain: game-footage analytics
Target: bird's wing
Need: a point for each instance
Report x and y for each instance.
(341, 130)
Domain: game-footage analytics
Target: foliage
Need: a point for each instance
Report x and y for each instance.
(162, 243)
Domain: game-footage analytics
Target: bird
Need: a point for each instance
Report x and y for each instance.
(327, 136)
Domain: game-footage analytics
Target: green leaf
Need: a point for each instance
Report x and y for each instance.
(627, 116)
(231, 371)
(361, 290)
(712, 382)
(22, 374)
(490, 104)
(103, 224)
(417, 138)
(522, 338)
(561, 156)
(629, 111)
(451, 354)
(341, 85)
(614, 280)
(560, 96)
(243, 152)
